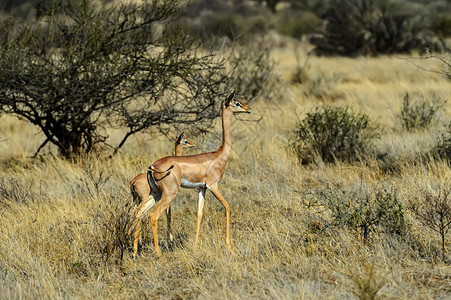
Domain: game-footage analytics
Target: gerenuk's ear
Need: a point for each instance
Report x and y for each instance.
(179, 140)
(229, 98)
(172, 136)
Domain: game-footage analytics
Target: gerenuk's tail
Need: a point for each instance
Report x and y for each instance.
(152, 170)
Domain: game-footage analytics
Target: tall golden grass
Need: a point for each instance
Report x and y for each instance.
(57, 218)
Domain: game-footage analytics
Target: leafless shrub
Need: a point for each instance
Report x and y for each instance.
(252, 73)
(433, 210)
(442, 150)
(114, 220)
(419, 112)
(96, 173)
(300, 75)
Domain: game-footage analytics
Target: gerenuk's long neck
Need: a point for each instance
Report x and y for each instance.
(226, 147)
(178, 149)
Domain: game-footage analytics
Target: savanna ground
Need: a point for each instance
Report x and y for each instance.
(59, 220)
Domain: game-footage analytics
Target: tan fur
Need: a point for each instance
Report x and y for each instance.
(206, 167)
(140, 189)
(139, 186)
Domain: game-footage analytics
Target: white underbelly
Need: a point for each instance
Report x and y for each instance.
(193, 185)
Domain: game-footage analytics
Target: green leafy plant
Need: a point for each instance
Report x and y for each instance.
(364, 210)
(442, 25)
(333, 133)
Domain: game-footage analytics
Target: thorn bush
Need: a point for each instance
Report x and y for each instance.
(443, 148)
(433, 210)
(364, 210)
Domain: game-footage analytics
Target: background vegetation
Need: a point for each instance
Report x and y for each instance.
(365, 221)
(82, 68)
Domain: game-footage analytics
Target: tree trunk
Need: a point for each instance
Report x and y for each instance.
(71, 145)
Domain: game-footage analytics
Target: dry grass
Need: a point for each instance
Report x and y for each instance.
(57, 217)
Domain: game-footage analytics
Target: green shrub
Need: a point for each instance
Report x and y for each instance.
(368, 27)
(333, 133)
(212, 20)
(442, 25)
(364, 210)
(298, 24)
(419, 112)
(228, 25)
